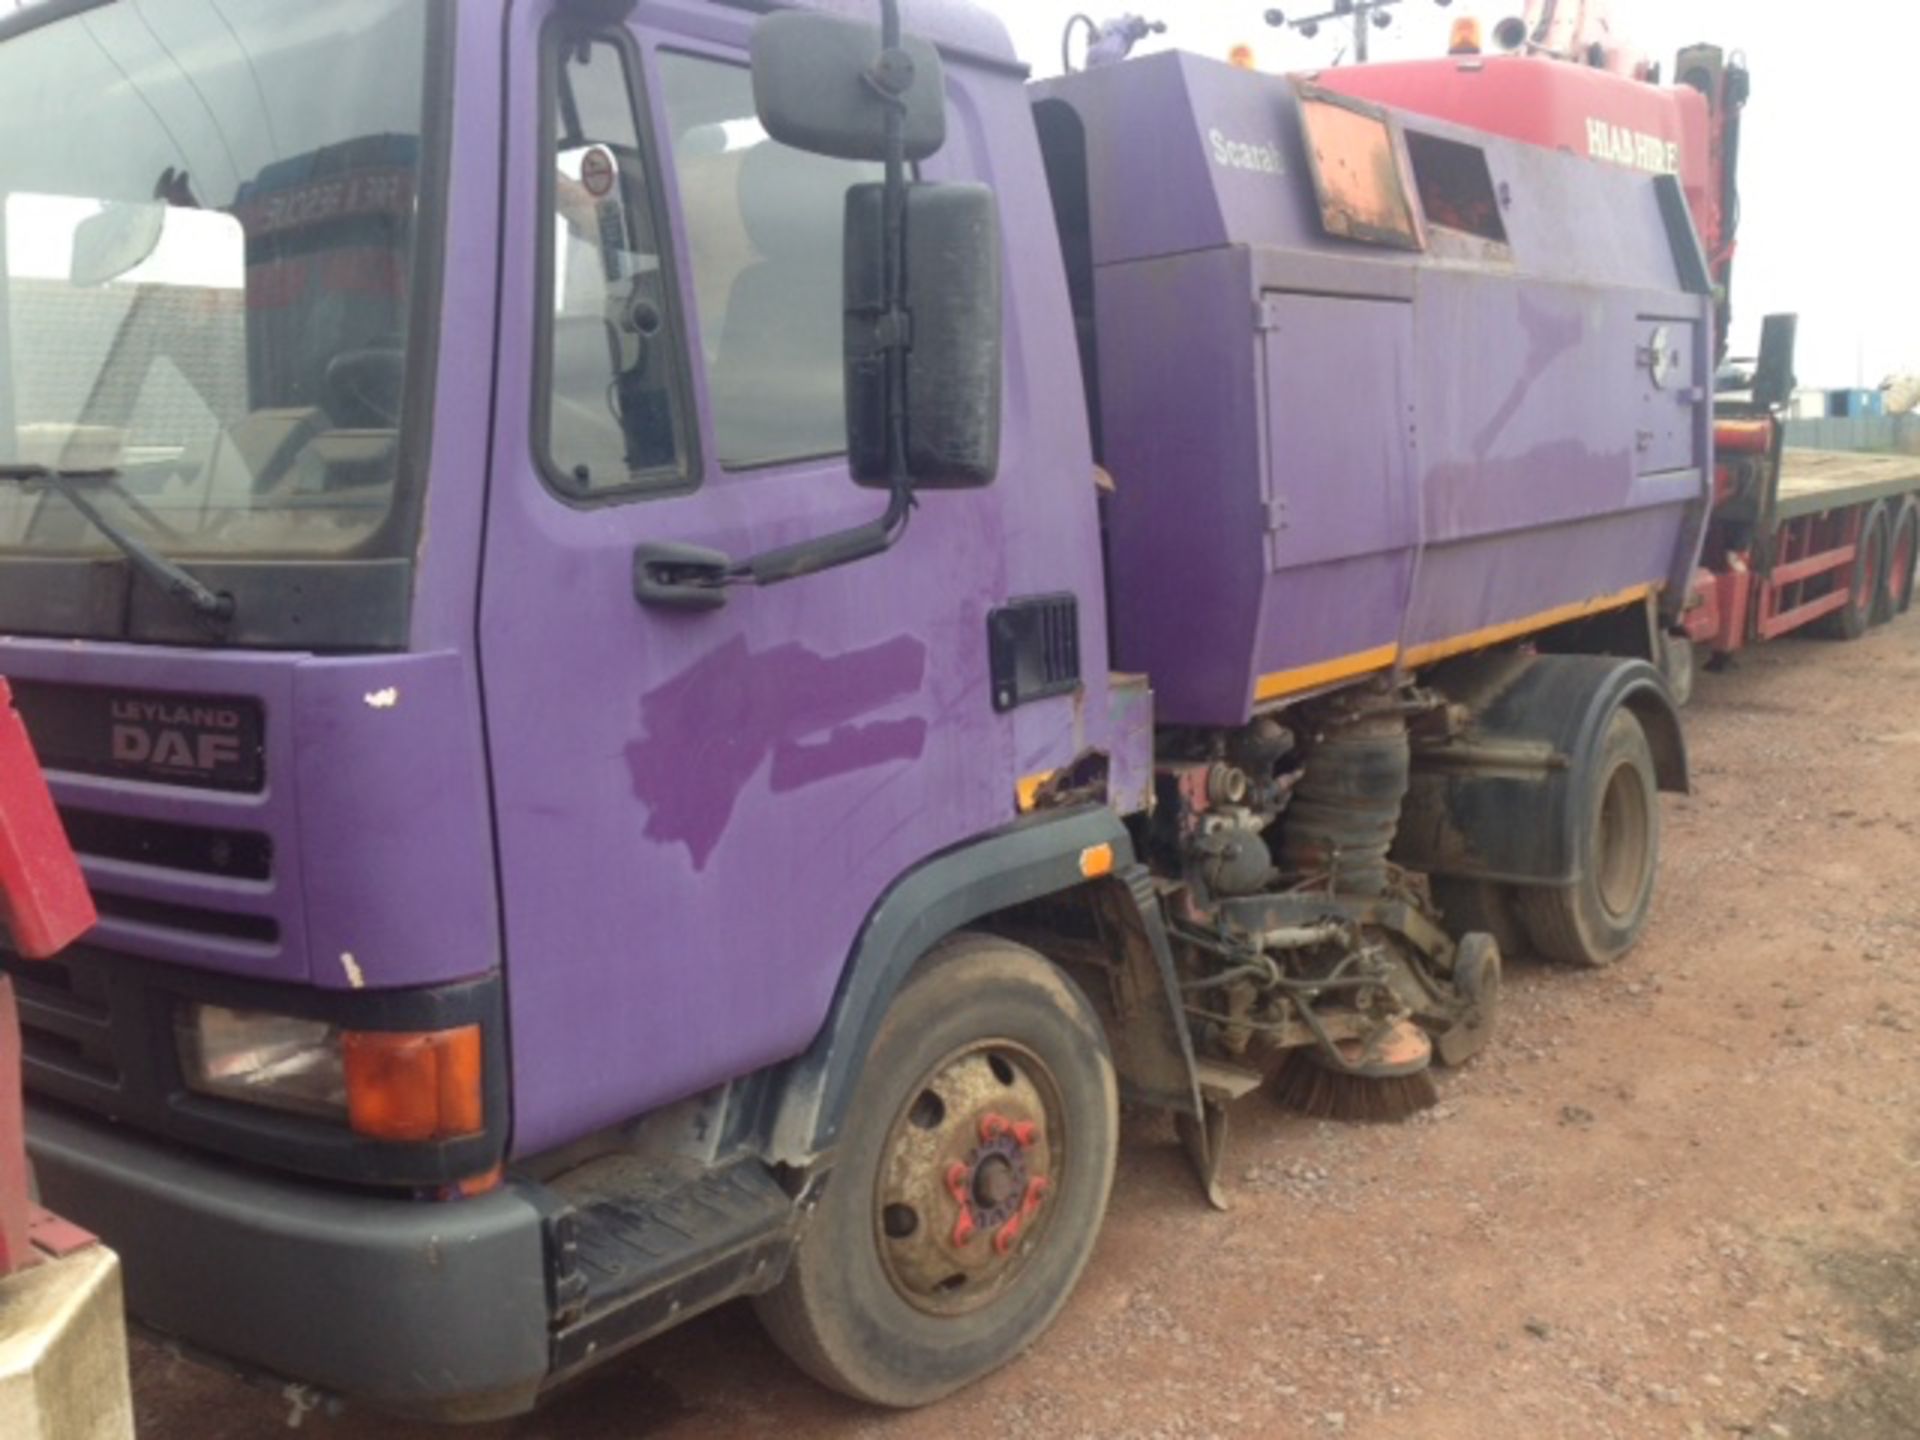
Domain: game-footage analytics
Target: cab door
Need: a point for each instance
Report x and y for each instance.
(698, 799)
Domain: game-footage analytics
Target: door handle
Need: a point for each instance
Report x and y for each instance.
(680, 577)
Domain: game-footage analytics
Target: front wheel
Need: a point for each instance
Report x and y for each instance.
(1596, 919)
(972, 1177)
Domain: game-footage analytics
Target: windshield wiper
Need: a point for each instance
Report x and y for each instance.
(168, 576)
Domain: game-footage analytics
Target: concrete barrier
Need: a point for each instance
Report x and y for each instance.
(63, 1351)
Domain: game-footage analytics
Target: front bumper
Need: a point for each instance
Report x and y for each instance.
(427, 1308)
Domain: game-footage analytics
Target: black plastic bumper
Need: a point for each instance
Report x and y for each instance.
(434, 1309)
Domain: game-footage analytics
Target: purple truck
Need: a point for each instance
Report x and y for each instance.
(680, 641)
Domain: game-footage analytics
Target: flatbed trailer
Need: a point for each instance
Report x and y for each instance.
(1814, 482)
(1803, 539)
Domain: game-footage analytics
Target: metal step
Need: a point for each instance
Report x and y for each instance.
(645, 1243)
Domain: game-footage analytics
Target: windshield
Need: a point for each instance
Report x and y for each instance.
(208, 220)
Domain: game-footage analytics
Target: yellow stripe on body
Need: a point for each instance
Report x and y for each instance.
(1416, 656)
(1312, 677)
(1283, 683)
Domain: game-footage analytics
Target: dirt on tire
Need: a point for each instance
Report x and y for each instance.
(1677, 1197)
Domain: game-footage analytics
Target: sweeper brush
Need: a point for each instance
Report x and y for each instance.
(1385, 1080)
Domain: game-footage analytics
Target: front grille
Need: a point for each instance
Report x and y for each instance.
(188, 919)
(192, 911)
(200, 849)
(197, 741)
(66, 1022)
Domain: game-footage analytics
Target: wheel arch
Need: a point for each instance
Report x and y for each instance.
(1085, 853)
(1501, 802)
(1660, 720)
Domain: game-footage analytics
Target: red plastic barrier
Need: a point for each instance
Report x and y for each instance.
(43, 897)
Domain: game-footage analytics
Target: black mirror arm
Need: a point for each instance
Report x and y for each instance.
(891, 78)
(810, 557)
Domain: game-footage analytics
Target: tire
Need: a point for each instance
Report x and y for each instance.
(1863, 591)
(867, 1306)
(1597, 919)
(1903, 554)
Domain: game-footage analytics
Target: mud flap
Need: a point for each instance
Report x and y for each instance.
(1205, 1135)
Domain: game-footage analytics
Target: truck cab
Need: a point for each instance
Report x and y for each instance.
(406, 362)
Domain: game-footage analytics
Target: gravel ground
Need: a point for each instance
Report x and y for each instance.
(1677, 1198)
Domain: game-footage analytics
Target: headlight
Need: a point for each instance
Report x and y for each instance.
(270, 1060)
(406, 1086)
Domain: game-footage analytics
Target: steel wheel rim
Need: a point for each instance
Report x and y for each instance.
(968, 1181)
(1623, 866)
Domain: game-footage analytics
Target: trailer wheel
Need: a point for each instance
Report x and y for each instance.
(1896, 592)
(1863, 582)
(971, 1180)
(1596, 919)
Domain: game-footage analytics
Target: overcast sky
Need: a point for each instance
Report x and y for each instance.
(1828, 174)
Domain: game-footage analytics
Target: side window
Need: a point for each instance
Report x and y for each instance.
(764, 223)
(612, 419)
(1456, 188)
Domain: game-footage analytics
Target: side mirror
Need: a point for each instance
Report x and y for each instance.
(922, 277)
(954, 360)
(813, 89)
(1773, 378)
(119, 238)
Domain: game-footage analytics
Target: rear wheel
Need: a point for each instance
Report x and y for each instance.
(1903, 553)
(1596, 919)
(972, 1177)
(1863, 583)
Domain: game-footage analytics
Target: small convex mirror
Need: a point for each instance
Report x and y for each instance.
(812, 86)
